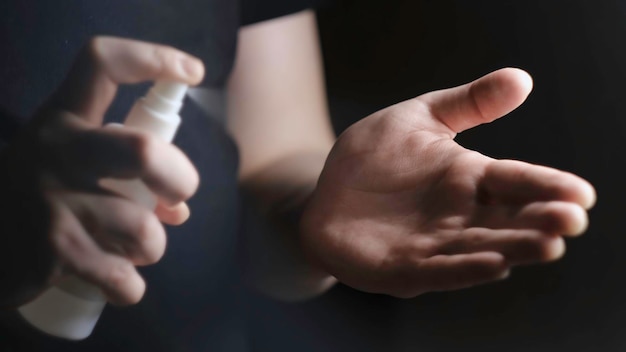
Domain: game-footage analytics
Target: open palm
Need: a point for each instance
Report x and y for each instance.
(402, 209)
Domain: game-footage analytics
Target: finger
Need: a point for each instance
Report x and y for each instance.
(554, 217)
(106, 62)
(517, 246)
(452, 272)
(121, 227)
(126, 153)
(520, 182)
(175, 215)
(482, 101)
(78, 253)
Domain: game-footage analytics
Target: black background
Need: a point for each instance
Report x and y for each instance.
(379, 53)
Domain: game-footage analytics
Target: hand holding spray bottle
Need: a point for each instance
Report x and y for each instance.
(71, 309)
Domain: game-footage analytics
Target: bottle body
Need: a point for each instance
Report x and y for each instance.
(72, 308)
(69, 310)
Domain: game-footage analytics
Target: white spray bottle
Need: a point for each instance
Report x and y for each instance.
(71, 309)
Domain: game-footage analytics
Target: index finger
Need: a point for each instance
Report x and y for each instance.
(106, 62)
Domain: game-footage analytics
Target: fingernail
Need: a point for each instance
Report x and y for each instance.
(590, 197)
(580, 223)
(556, 250)
(193, 68)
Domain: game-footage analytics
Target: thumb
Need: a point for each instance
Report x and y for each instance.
(106, 62)
(481, 101)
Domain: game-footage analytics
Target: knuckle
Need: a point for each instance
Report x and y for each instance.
(166, 54)
(155, 58)
(93, 48)
(118, 274)
(166, 59)
(62, 242)
(119, 277)
(62, 234)
(145, 147)
(150, 238)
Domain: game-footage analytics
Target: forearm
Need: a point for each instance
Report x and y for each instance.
(274, 260)
(277, 114)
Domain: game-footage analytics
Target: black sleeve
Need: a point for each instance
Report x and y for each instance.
(9, 125)
(260, 10)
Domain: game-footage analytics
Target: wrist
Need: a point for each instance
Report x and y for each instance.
(275, 258)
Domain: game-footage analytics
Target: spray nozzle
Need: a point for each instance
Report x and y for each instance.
(166, 97)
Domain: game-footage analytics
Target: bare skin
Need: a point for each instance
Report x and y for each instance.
(402, 209)
(54, 165)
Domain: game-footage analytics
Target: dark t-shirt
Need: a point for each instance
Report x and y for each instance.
(194, 294)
